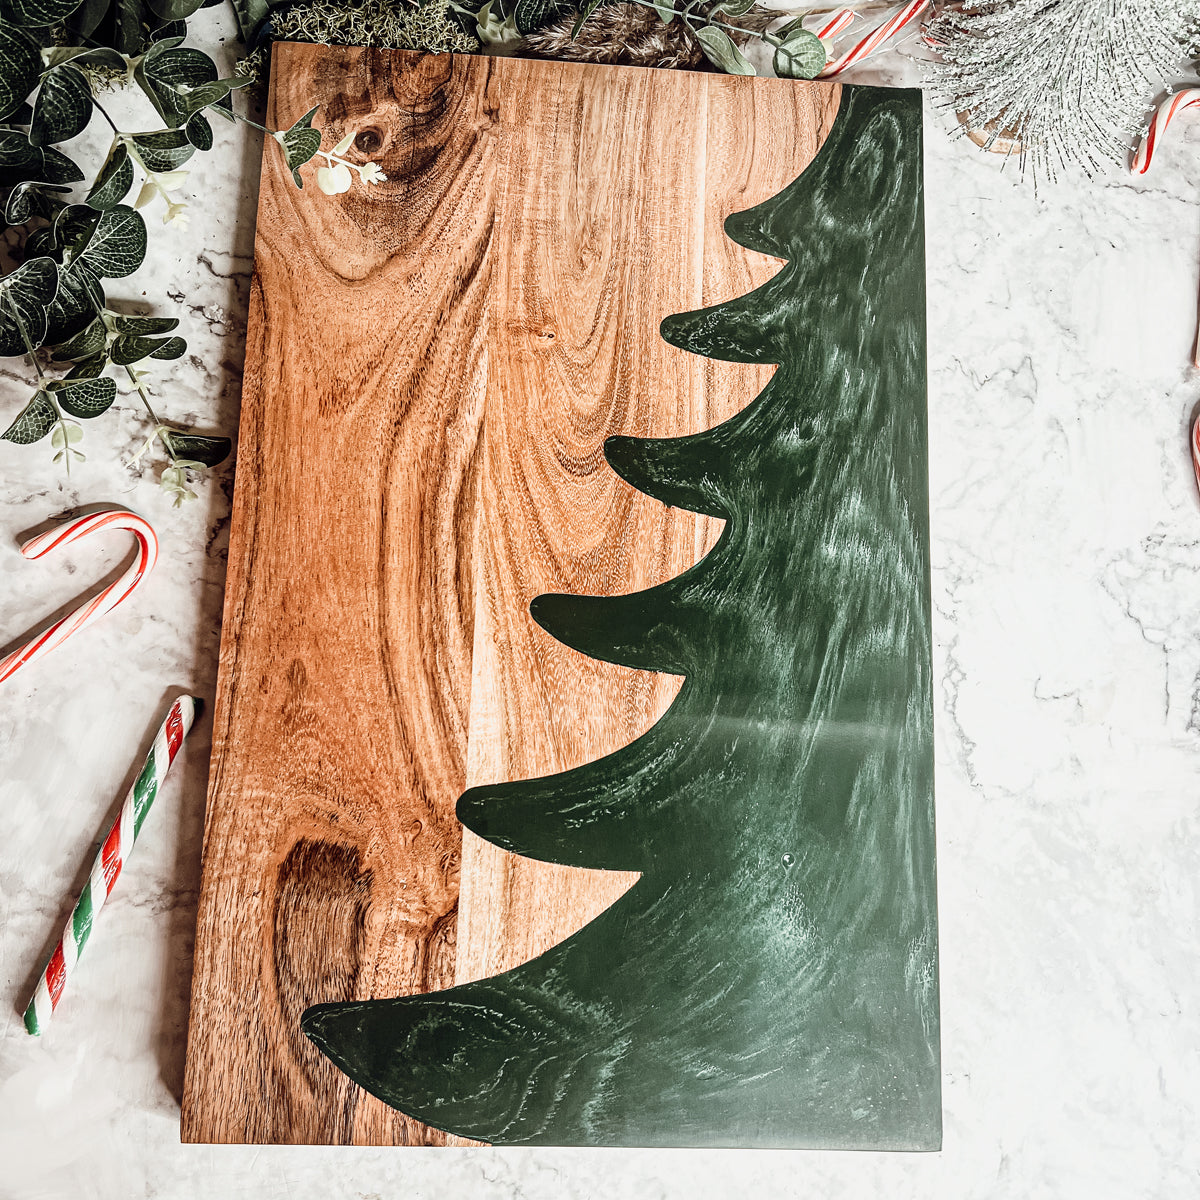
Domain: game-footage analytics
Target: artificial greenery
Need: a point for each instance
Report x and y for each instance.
(74, 229)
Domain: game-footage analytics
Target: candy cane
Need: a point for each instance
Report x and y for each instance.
(875, 39)
(1164, 114)
(94, 609)
(837, 22)
(1196, 450)
(107, 868)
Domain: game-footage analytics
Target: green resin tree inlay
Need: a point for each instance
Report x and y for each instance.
(772, 977)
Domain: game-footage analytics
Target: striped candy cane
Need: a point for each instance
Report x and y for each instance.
(1164, 114)
(838, 21)
(1196, 450)
(875, 39)
(94, 609)
(107, 867)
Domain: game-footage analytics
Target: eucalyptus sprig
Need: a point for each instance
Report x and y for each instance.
(76, 232)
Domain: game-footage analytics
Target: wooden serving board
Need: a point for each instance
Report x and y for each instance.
(433, 365)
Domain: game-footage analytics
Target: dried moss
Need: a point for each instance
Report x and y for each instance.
(386, 23)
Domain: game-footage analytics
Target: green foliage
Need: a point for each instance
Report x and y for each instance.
(114, 180)
(53, 307)
(532, 15)
(719, 49)
(801, 55)
(20, 65)
(37, 14)
(299, 144)
(84, 398)
(25, 297)
(163, 151)
(35, 420)
(63, 106)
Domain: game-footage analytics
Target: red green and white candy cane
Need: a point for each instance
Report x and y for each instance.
(107, 867)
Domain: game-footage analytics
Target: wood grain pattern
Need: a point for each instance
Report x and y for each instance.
(391, 524)
(571, 369)
(331, 849)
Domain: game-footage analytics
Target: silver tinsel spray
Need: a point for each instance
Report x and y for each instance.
(1068, 80)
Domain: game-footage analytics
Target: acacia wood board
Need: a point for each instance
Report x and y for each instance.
(433, 365)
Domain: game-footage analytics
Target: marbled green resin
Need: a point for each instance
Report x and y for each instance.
(772, 978)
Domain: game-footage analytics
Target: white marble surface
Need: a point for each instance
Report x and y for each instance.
(1066, 575)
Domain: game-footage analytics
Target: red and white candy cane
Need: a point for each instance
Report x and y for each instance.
(876, 38)
(1164, 114)
(1196, 450)
(839, 20)
(94, 609)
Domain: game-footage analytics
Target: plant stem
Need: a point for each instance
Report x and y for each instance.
(100, 109)
(16, 316)
(142, 391)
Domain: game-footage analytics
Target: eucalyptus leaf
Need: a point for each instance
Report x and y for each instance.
(20, 66)
(114, 181)
(39, 243)
(74, 306)
(28, 200)
(84, 398)
(19, 161)
(217, 92)
(733, 8)
(129, 348)
(38, 14)
(36, 420)
(199, 132)
(63, 107)
(173, 347)
(96, 56)
(299, 144)
(163, 151)
(532, 15)
(88, 368)
(801, 55)
(205, 450)
(118, 245)
(666, 11)
(169, 76)
(145, 326)
(73, 229)
(58, 168)
(86, 343)
(21, 115)
(720, 50)
(25, 296)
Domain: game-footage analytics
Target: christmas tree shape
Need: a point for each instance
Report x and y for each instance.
(771, 979)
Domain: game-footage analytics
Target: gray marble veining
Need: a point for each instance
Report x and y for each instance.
(1066, 590)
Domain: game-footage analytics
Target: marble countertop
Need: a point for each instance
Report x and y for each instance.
(1066, 582)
